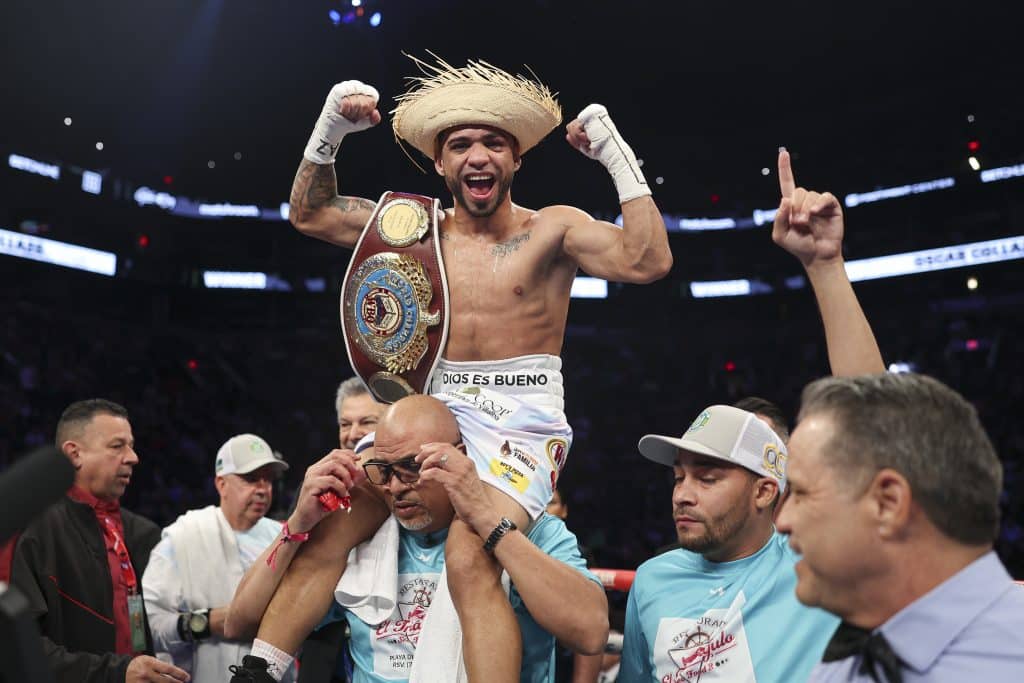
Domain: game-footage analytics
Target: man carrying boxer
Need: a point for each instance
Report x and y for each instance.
(510, 271)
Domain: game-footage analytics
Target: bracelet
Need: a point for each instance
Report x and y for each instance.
(286, 537)
(504, 526)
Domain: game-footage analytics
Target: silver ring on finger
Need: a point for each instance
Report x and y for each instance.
(444, 459)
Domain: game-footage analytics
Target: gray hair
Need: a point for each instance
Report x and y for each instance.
(924, 430)
(353, 386)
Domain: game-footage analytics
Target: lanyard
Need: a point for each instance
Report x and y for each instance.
(127, 571)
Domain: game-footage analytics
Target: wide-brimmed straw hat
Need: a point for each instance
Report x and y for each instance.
(477, 94)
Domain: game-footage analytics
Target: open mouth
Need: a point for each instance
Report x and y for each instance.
(480, 185)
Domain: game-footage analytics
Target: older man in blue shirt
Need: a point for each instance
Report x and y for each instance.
(894, 506)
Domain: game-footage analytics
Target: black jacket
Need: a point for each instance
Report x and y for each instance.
(60, 565)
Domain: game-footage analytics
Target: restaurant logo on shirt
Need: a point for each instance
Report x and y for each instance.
(413, 602)
(711, 648)
(394, 640)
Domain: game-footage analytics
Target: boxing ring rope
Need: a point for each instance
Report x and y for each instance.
(615, 579)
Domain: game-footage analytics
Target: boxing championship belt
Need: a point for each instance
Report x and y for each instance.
(394, 302)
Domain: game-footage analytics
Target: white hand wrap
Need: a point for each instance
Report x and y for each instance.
(608, 147)
(331, 127)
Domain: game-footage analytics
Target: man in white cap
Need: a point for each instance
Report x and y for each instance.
(509, 270)
(194, 570)
(722, 606)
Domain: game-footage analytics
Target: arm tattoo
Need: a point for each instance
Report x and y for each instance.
(316, 186)
(503, 249)
(353, 204)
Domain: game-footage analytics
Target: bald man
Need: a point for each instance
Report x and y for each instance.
(419, 469)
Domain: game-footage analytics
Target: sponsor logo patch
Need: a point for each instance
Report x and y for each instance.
(488, 403)
(558, 450)
(511, 474)
(775, 460)
(520, 454)
(700, 422)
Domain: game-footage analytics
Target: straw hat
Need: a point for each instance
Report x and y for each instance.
(476, 94)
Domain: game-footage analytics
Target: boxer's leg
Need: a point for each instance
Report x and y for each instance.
(307, 588)
(485, 613)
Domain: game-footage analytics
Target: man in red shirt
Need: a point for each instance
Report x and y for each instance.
(79, 563)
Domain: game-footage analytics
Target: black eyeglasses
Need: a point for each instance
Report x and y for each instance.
(407, 470)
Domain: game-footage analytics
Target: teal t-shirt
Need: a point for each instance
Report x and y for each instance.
(688, 619)
(384, 652)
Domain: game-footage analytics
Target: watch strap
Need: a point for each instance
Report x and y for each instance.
(504, 526)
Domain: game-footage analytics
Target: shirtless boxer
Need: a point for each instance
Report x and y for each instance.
(510, 270)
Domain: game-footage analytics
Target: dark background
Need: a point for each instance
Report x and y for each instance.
(865, 95)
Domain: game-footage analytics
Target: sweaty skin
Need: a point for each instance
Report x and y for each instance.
(510, 271)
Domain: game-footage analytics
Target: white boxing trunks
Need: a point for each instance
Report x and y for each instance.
(510, 413)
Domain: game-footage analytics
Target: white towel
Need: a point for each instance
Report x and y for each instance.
(206, 551)
(369, 589)
(369, 586)
(207, 555)
(439, 650)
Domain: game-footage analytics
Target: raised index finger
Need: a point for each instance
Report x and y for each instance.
(786, 182)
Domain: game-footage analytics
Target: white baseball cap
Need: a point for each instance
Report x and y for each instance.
(246, 453)
(725, 433)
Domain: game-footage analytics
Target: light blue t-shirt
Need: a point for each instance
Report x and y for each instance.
(384, 652)
(688, 619)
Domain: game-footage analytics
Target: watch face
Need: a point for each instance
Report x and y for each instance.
(197, 622)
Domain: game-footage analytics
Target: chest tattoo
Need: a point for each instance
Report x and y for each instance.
(503, 249)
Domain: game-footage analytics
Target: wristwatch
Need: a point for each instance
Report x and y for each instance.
(504, 526)
(194, 625)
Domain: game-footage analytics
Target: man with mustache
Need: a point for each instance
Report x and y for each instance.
(510, 270)
(79, 563)
(722, 605)
(555, 596)
(194, 570)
